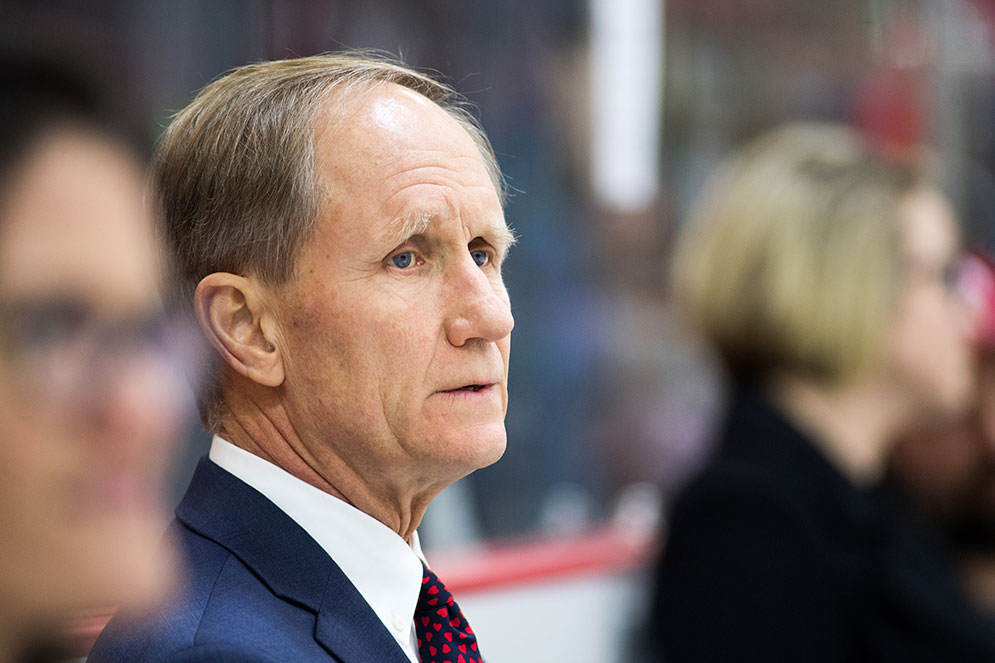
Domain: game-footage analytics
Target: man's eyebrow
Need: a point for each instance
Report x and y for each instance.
(503, 237)
(406, 226)
(403, 227)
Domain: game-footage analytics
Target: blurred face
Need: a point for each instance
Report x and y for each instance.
(929, 342)
(87, 408)
(949, 470)
(396, 327)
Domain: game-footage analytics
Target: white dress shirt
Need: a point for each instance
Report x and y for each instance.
(386, 570)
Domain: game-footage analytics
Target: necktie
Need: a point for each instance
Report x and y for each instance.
(444, 636)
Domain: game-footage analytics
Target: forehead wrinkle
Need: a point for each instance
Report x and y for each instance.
(433, 174)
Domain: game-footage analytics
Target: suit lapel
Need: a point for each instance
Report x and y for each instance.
(228, 511)
(344, 611)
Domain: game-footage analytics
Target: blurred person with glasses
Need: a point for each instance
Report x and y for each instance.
(91, 391)
(827, 280)
(946, 468)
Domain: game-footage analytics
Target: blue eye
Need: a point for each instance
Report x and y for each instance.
(403, 260)
(479, 257)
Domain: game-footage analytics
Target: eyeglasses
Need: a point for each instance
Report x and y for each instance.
(62, 350)
(952, 275)
(977, 283)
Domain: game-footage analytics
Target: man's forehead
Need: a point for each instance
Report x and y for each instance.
(384, 144)
(390, 110)
(386, 123)
(372, 105)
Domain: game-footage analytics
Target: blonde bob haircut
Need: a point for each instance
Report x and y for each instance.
(790, 261)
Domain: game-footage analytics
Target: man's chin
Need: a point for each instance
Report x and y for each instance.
(480, 447)
(497, 450)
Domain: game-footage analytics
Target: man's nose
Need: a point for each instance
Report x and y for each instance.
(478, 306)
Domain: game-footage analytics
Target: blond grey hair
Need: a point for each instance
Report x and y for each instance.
(790, 262)
(234, 174)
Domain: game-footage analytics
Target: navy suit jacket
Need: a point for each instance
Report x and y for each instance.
(257, 589)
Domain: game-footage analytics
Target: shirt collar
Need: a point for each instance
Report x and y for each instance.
(378, 562)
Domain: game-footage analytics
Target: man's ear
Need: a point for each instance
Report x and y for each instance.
(230, 311)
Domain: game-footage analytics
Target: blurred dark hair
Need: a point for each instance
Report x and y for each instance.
(41, 91)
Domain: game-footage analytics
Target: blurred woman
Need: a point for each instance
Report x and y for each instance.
(88, 400)
(946, 471)
(825, 279)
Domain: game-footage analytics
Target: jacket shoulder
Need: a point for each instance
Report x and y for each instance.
(172, 627)
(223, 612)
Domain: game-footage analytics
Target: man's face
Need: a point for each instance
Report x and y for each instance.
(88, 414)
(395, 330)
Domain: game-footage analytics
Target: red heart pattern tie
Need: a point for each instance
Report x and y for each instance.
(444, 636)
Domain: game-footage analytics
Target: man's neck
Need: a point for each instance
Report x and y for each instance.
(271, 445)
(260, 425)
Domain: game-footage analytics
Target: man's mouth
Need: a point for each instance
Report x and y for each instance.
(470, 388)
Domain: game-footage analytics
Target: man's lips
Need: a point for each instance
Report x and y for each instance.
(470, 387)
